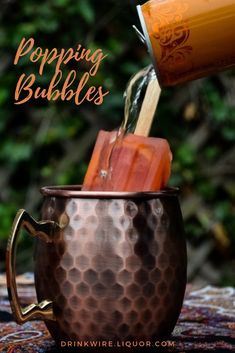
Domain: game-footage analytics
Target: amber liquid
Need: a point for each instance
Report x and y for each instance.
(190, 39)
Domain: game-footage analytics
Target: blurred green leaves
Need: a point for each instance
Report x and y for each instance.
(87, 12)
(15, 152)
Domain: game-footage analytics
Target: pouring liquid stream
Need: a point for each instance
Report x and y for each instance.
(133, 96)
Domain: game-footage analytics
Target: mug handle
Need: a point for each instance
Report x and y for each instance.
(44, 230)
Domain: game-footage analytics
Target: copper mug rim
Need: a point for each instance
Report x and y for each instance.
(74, 191)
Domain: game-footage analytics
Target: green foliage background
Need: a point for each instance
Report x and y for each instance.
(50, 142)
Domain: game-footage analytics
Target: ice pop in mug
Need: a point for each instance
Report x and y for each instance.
(189, 39)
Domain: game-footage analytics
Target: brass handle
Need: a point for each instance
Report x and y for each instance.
(43, 230)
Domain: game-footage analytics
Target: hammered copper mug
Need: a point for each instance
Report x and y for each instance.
(108, 265)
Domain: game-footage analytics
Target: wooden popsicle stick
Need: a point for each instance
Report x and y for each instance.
(148, 108)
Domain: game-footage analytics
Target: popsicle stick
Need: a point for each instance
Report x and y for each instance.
(148, 108)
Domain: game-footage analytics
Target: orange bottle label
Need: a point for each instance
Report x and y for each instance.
(190, 39)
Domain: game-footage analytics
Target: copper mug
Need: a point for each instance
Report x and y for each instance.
(108, 265)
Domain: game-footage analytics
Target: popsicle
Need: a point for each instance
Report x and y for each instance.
(131, 162)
